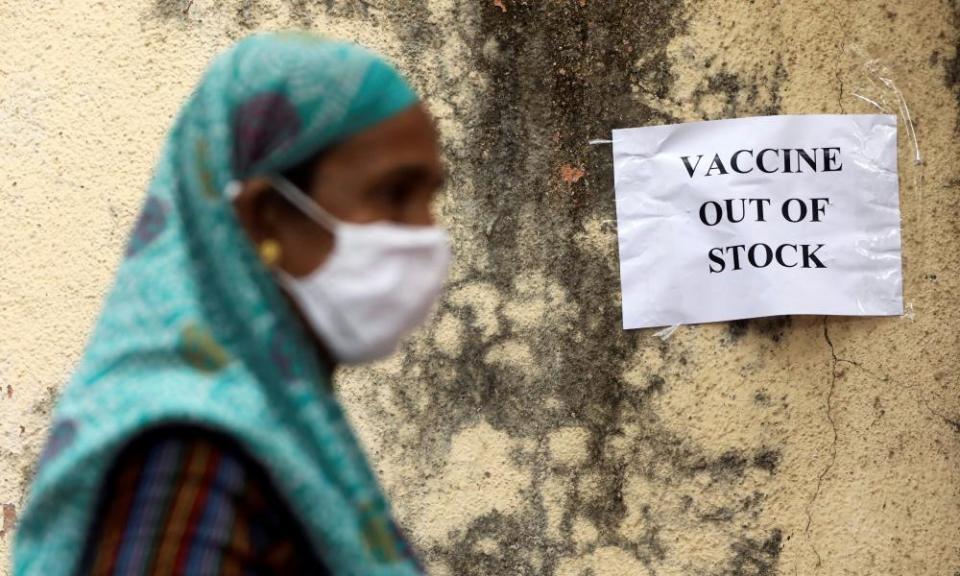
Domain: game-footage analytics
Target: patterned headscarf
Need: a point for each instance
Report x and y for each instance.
(195, 330)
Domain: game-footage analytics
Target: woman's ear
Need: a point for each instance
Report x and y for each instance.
(281, 235)
(257, 210)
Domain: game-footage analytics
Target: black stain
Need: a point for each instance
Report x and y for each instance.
(470, 554)
(951, 67)
(767, 460)
(171, 9)
(560, 74)
(756, 557)
(722, 83)
(773, 327)
(737, 329)
(655, 384)
(740, 93)
(247, 14)
(42, 410)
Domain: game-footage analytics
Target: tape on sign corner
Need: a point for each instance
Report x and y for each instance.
(880, 77)
(908, 312)
(875, 104)
(667, 332)
(595, 142)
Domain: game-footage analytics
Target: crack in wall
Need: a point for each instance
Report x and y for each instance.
(838, 74)
(836, 360)
(833, 444)
(922, 402)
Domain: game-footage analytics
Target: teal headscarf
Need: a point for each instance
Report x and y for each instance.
(195, 330)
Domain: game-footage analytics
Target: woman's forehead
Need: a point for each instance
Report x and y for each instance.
(411, 126)
(407, 140)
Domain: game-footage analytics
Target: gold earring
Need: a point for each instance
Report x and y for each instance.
(269, 252)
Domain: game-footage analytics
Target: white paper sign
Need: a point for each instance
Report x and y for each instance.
(762, 216)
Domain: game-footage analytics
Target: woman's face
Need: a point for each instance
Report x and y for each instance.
(388, 172)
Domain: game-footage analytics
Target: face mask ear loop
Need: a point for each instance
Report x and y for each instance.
(299, 199)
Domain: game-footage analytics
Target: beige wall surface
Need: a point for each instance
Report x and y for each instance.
(522, 431)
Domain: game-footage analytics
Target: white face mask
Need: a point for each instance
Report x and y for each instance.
(378, 283)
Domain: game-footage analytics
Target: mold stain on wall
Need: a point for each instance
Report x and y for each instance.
(542, 354)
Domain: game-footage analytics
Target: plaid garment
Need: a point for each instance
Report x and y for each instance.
(190, 501)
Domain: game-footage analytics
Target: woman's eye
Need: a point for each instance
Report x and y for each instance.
(397, 194)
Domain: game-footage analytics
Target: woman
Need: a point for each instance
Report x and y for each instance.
(287, 228)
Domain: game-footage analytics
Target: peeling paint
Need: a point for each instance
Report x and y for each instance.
(9, 519)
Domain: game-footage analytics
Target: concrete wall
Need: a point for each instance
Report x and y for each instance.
(524, 432)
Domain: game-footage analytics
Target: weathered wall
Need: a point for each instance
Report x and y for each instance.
(524, 432)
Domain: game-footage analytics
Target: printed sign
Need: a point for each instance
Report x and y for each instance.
(750, 217)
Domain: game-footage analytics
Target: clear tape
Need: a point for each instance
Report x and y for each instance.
(879, 85)
(595, 142)
(909, 313)
(877, 106)
(905, 110)
(878, 72)
(667, 332)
